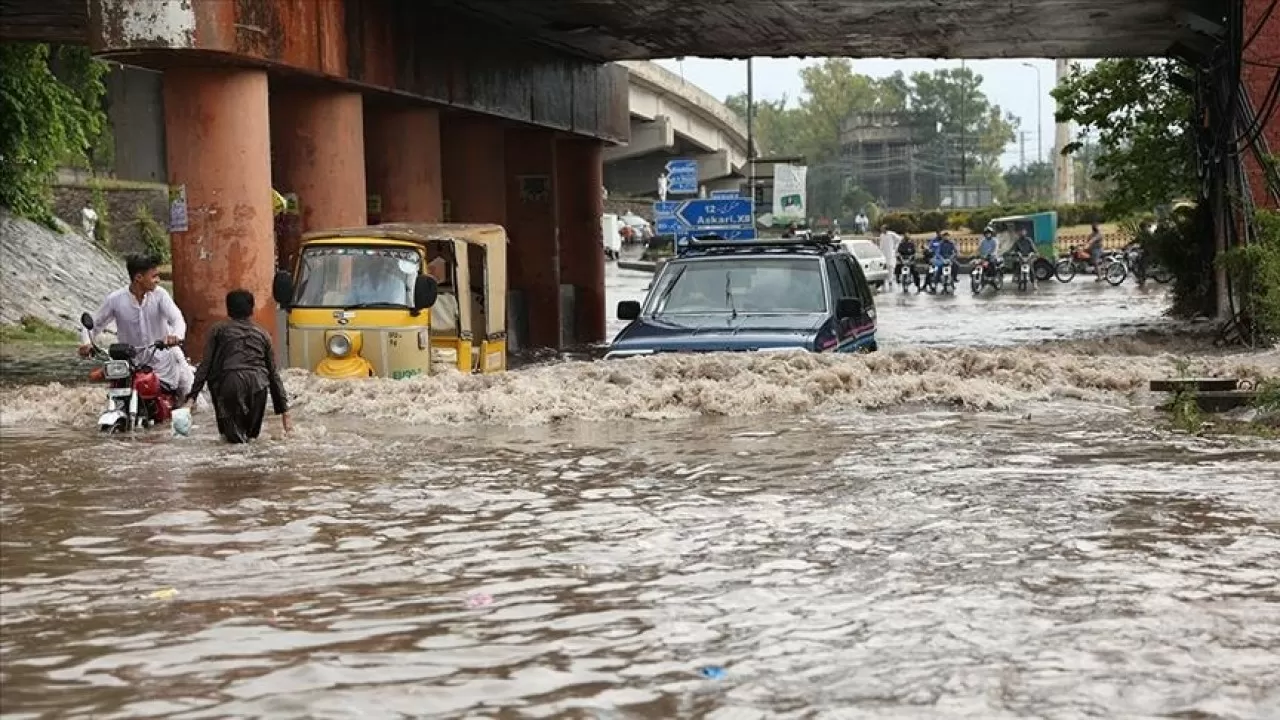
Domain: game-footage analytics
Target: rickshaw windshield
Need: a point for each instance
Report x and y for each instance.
(355, 277)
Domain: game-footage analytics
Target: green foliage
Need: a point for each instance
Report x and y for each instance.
(1255, 272)
(44, 120)
(1146, 152)
(1177, 245)
(1185, 411)
(154, 237)
(1268, 399)
(975, 220)
(102, 228)
(33, 329)
(833, 92)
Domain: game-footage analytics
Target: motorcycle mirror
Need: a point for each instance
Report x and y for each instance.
(86, 320)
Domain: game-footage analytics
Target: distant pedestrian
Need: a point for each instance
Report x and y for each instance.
(240, 367)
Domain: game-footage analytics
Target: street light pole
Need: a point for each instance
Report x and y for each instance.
(1039, 115)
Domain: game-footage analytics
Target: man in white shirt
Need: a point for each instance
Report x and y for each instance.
(143, 314)
(889, 247)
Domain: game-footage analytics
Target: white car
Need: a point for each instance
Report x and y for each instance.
(872, 261)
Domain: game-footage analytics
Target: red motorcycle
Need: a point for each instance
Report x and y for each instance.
(135, 396)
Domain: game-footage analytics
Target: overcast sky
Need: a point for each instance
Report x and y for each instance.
(1007, 83)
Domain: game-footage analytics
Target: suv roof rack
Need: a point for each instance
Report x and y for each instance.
(712, 245)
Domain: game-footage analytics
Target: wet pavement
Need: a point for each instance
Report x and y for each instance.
(1003, 529)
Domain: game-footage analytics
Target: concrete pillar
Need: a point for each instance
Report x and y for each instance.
(317, 151)
(580, 204)
(402, 161)
(217, 136)
(531, 222)
(472, 160)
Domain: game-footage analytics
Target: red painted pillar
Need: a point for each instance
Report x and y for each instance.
(402, 162)
(1262, 58)
(579, 183)
(317, 151)
(472, 161)
(217, 141)
(531, 223)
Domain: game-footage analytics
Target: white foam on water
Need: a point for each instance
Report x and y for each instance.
(726, 384)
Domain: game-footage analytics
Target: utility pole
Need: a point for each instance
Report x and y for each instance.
(1063, 165)
(751, 135)
(964, 91)
(1039, 115)
(1025, 173)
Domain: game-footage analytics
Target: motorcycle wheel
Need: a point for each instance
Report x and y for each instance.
(975, 281)
(1042, 269)
(1161, 275)
(1065, 271)
(1116, 273)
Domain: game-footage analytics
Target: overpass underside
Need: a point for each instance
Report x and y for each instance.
(448, 108)
(385, 110)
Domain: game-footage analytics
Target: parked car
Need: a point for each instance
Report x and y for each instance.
(874, 266)
(764, 295)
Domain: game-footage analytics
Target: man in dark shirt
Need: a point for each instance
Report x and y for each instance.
(239, 366)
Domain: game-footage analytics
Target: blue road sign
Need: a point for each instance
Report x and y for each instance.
(667, 225)
(666, 209)
(682, 176)
(717, 213)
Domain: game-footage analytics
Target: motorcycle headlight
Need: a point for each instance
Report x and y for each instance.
(338, 345)
(116, 369)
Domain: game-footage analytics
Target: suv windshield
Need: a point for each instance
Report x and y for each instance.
(740, 285)
(349, 277)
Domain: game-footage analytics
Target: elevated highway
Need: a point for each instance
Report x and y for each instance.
(674, 118)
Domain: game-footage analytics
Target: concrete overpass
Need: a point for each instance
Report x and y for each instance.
(466, 103)
(674, 118)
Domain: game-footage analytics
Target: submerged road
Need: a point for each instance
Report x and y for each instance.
(945, 529)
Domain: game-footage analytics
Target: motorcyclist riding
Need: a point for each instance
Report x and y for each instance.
(906, 253)
(988, 248)
(944, 254)
(1026, 250)
(144, 314)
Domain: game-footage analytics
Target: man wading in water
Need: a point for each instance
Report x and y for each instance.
(239, 365)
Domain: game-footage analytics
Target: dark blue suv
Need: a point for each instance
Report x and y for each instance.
(759, 295)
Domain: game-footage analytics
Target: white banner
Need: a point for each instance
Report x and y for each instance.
(789, 192)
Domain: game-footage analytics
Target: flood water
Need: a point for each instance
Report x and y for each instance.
(984, 520)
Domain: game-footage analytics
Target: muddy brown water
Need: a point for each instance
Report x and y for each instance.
(960, 531)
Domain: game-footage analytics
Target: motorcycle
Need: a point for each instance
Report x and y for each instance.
(135, 396)
(905, 275)
(1024, 271)
(986, 272)
(945, 278)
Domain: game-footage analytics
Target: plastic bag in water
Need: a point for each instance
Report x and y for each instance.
(181, 422)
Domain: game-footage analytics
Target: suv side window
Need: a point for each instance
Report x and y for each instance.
(835, 283)
(847, 279)
(851, 274)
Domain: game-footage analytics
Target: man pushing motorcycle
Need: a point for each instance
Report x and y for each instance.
(145, 314)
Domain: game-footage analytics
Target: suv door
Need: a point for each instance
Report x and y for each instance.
(856, 285)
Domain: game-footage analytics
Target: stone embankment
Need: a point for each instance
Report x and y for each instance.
(52, 276)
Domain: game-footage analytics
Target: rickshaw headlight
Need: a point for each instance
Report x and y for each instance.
(338, 345)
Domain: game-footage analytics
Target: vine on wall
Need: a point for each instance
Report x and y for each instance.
(46, 120)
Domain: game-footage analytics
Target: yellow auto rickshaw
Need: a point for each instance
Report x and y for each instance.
(397, 300)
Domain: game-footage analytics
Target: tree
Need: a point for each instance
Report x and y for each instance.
(833, 93)
(44, 121)
(774, 124)
(1145, 151)
(971, 133)
(1033, 183)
